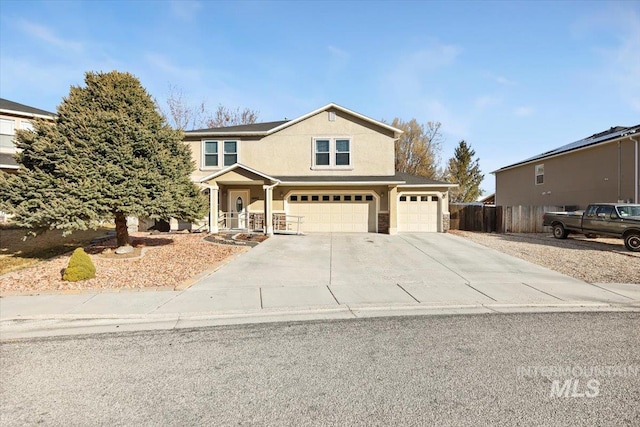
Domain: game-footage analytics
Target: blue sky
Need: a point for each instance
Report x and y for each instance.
(512, 78)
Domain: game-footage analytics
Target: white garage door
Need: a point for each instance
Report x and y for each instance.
(418, 213)
(334, 213)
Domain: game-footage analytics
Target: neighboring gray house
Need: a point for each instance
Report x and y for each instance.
(14, 116)
(600, 168)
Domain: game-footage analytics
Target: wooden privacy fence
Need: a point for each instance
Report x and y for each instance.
(500, 219)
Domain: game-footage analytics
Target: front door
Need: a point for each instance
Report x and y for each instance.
(238, 208)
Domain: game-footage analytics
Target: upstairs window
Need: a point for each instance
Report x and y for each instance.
(539, 174)
(342, 152)
(211, 154)
(230, 152)
(323, 152)
(331, 153)
(218, 154)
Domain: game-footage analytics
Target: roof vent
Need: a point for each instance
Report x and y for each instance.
(332, 116)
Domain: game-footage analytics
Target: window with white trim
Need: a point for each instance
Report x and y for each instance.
(539, 174)
(230, 152)
(210, 154)
(26, 125)
(218, 154)
(7, 131)
(331, 153)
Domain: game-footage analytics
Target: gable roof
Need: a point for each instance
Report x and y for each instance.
(272, 127)
(12, 107)
(234, 167)
(609, 135)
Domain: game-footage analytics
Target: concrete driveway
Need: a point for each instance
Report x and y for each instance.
(365, 269)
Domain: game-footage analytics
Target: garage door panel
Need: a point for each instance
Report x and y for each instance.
(343, 216)
(420, 215)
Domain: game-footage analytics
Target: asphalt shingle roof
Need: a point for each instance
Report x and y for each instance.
(254, 127)
(399, 177)
(5, 104)
(609, 134)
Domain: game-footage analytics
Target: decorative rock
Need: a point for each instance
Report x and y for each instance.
(126, 249)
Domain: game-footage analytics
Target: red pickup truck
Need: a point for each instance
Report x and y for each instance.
(599, 219)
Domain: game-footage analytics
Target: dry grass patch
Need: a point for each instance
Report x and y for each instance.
(168, 260)
(17, 252)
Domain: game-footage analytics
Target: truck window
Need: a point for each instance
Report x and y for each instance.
(591, 211)
(604, 211)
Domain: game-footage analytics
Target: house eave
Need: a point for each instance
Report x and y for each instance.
(25, 114)
(337, 183)
(234, 167)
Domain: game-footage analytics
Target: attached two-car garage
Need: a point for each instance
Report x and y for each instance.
(359, 212)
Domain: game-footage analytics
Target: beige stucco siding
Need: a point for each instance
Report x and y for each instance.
(289, 152)
(573, 179)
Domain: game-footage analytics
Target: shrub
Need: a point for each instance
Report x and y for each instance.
(80, 267)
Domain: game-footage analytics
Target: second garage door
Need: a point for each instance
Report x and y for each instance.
(334, 213)
(418, 213)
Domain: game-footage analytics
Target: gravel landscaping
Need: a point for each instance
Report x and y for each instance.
(601, 260)
(165, 260)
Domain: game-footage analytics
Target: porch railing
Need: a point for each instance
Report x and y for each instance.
(254, 221)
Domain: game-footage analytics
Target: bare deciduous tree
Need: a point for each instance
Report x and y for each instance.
(225, 116)
(418, 148)
(184, 116)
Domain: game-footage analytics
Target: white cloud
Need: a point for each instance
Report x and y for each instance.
(47, 35)
(185, 10)
(620, 57)
(487, 101)
(523, 111)
(504, 81)
(338, 53)
(164, 64)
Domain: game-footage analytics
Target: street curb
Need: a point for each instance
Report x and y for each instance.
(73, 324)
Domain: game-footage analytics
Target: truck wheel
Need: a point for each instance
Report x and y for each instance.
(632, 242)
(559, 232)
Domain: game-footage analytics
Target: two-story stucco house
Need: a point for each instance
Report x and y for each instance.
(14, 116)
(331, 170)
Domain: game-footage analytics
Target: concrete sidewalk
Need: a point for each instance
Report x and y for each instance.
(326, 276)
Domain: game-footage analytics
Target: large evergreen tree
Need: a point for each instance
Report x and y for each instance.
(108, 155)
(464, 171)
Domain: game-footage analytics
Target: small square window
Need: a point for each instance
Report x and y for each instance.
(315, 198)
(304, 198)
(293, 198)
(424, 198)
(369, 198)
(403, 198)
(414, 198)
(336, 198)
(358, 198)
(434, 198)
(347, 198)
(325, 198)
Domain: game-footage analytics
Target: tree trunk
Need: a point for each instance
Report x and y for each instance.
(122, 233)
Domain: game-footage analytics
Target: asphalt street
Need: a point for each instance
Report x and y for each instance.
(438, 370)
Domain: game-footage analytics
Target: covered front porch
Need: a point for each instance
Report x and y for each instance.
(241, 198)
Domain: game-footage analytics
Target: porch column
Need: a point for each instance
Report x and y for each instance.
(268, 201)
(213, 208)
(393, 210)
